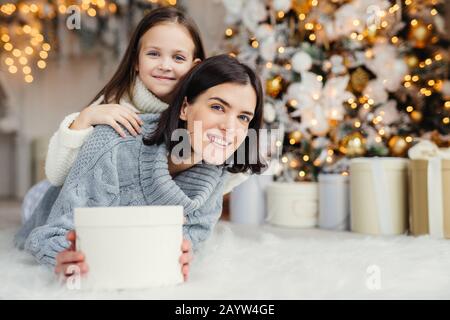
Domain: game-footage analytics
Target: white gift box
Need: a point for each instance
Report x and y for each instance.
(130, 247)
(334, 202)
(292, 204)
(248, 200)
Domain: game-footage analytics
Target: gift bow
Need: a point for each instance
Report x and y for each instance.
(427, 150)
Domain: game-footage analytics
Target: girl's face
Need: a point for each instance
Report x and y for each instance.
(165, 55)
(222, 115)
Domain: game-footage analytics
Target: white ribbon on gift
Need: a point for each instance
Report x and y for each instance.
(382, 198)
(427, 150)
(435, 200)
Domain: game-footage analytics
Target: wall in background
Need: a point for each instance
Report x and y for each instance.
(62, 88)
(209, 16)
(7, 165)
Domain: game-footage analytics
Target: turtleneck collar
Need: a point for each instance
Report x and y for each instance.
(145, 101)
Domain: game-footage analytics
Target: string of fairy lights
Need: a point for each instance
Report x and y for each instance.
(25, 47)
(28, 28)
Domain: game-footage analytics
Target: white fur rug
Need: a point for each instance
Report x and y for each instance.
(270, 263)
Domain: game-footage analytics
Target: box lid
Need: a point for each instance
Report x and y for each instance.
(128, 216)
(306, 188)
(387, 162)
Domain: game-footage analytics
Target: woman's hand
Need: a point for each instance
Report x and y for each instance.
(66, 260)
(186, 258)
(109, 114)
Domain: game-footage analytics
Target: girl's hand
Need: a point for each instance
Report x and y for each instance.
(186, 258)
(65, 260)
(109, 114)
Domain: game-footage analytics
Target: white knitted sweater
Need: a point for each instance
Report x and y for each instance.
(66, 143)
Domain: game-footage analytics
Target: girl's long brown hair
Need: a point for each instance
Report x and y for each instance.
(124, 78)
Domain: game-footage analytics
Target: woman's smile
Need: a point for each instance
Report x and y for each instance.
(218, 141)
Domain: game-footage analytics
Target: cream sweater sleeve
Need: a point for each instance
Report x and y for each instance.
(63, 150)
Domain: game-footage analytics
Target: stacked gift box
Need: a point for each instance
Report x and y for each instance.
(379, 196)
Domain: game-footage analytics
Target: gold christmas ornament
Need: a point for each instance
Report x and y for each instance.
(333, 123)
(295, 137)
(438, 85)
(274, 86)
(301, 6)
(412, 61)
(416, 116)
(353, 145)
(327, 8)
(359, 79)
(398, 146)
(419, 34)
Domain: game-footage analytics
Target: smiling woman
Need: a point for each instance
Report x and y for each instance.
(223, 122)
(217, 104)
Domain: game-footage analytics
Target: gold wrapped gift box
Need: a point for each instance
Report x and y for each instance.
(429, 185)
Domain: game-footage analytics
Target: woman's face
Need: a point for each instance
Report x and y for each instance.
(218, 120)
(165, 55)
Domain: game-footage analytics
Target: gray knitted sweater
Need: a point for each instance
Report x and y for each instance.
(115, 171)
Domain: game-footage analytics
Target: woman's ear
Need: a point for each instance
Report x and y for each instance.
(183, 111)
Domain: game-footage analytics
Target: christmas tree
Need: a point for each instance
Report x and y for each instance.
(345, 78)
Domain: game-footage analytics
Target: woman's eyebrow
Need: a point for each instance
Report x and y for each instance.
(228, 105)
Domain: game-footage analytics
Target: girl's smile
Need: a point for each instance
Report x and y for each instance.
(164, 78)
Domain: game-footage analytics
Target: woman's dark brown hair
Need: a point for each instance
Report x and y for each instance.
(207, 74)
(124, 78)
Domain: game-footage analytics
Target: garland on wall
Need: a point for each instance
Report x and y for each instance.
(35, 33)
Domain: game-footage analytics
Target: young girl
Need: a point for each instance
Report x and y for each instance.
(164, 47)
(216, 105)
